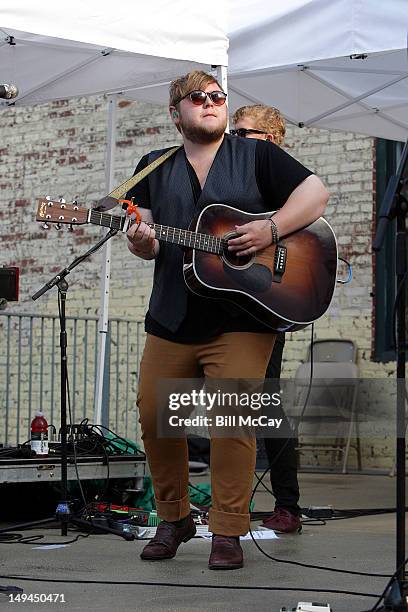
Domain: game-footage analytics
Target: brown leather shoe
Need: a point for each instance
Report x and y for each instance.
(168, 538)
(226, 553)
(283, 521)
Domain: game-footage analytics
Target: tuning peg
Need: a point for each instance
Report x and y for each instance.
(70, 228)
(45, 226)
(58, 226)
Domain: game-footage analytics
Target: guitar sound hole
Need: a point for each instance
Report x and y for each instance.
(230, 258)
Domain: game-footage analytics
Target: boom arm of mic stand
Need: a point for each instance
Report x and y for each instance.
(63, 273)
(54, 281)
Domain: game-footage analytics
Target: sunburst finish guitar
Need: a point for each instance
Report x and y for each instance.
(286, 285)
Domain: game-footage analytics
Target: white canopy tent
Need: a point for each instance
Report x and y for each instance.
(53, 51)
(334, 64)
(56, 50)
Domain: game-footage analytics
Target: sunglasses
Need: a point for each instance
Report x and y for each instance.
(243, 132)
(198, 97)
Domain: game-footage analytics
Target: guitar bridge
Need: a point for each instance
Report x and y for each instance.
(279, 264)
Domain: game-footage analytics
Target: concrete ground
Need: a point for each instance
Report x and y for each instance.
(93, 565)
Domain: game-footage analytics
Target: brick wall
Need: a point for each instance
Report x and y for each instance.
(58, 149)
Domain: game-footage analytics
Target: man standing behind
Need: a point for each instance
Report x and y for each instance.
(189, 336)
(267, 123)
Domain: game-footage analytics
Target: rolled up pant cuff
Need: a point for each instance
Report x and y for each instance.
(173, 510)
(228, 523)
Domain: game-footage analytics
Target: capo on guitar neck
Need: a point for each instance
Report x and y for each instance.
(132, 209)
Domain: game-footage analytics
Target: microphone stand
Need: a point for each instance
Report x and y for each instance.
(63, 511)
(395, 205)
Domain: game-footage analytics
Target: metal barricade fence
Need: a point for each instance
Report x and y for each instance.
(30, 372)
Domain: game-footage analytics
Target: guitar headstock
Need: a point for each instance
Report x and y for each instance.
(61, 212)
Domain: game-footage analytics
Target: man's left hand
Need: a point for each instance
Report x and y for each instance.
(253, 236)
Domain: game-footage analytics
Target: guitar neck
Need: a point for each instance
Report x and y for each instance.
(164, 233)
(186, 238)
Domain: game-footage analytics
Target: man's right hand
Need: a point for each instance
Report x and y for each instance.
(141, 241)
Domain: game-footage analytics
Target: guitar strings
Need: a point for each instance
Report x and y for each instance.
(205, 242)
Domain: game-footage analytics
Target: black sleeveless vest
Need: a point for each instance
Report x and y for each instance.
(231, 180)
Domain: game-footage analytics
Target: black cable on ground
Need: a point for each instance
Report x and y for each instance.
(18, 538)
(381, 597)
(308, 565)
(186, 586)
(338, 514)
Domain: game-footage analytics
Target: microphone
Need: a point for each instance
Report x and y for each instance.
(8, 91)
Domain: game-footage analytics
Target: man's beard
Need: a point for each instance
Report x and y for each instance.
(201, 134)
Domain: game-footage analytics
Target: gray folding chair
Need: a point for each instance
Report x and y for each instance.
(330, 416)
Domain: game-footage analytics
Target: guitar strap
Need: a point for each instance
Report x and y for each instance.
(111, 200)
(119, 191)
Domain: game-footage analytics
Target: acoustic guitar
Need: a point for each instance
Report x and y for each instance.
(287, 285)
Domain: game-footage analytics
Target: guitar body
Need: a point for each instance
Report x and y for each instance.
(286, 286)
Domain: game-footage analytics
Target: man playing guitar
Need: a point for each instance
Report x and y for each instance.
(189, 336)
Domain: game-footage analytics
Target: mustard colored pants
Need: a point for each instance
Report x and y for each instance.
(236, 355)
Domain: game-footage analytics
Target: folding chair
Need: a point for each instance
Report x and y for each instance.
(331, 409)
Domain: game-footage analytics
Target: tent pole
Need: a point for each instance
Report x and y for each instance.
(222, 77)
(106, 261)
(223, 81)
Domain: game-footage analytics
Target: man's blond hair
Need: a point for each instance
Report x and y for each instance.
(196, 79)
(265, 118)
